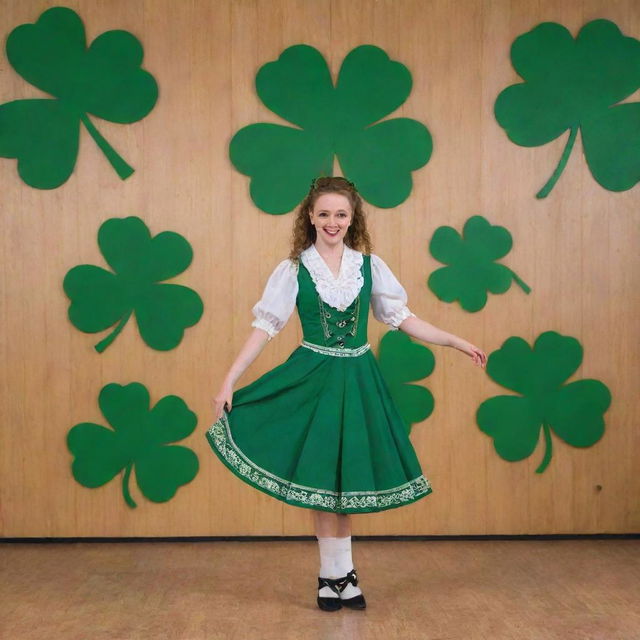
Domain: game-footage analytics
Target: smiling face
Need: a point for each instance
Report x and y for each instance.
(331, 216)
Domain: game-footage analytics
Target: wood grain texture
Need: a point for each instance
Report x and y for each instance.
(438, 590)
(577, 249)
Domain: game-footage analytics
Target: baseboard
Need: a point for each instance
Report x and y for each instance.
(430, 538)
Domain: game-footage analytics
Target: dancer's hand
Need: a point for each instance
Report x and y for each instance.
(222, 400)
(478, 356)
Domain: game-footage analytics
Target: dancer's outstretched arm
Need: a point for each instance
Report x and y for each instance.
(249, 352)
(421, 330)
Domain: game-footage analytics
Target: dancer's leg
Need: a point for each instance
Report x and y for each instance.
(325, 524)
(343, 525)
(332, 525)
(342, 550)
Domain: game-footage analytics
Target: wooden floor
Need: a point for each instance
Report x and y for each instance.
(434, 590)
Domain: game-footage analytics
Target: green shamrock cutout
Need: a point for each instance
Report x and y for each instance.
(472, 270)
(573, 411)
(100, 298)
(342, 120)
(576, 84)
(403, 361)
(140, 437)
(104, 79)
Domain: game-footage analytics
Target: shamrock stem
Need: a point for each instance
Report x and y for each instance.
(117, 162)
(103, 344)
(125, 487)
(544, 192)
(523, 285)
(548, 448)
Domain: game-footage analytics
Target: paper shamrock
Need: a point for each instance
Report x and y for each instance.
(100, 298)
(403, 361)
(472, 270)
(573, 411)
(140, 437)
(342, 120)
(105, 80)
(576, 84)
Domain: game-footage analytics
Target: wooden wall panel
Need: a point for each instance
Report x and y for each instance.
(577, 249)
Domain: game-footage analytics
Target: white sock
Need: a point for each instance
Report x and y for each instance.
(344, 564)
(327, 547)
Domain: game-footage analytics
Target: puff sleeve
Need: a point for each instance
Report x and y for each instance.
(278, 300)
(388, 297)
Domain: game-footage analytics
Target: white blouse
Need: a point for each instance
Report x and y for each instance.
(388, 297)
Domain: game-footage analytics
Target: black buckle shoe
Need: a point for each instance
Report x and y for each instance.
(326, 603)
(357, 602)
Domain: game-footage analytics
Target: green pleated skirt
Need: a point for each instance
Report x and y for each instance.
(321, 432)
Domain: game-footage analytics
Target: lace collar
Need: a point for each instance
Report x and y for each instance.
(337, 292)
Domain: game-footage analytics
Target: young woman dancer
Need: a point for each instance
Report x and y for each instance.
(321, 430)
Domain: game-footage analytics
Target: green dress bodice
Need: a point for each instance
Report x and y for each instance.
(327, 326)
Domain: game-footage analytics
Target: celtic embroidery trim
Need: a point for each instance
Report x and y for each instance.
(339, 352)
(220, 438)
